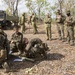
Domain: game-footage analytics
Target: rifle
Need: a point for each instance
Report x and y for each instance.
(27, 59)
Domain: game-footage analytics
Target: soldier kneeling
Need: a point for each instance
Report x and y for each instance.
(16, 41)
(36, 47)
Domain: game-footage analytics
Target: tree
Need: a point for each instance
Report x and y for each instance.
(60, 4)
(8, 12)
(38, 6)
(13, 6)
(31, 5)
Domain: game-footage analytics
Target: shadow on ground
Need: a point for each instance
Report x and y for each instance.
(55, 56)
(27, 64)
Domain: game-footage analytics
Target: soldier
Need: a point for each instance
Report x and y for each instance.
(4, 48)
(22, 23)
(16, 40)
(1, 30)
(70, 28)
(33, 22)
(29, 19)
(35, 47)
(48, 27)
(4, 34)
(60, 25)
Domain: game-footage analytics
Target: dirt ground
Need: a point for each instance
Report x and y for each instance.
(61, 57)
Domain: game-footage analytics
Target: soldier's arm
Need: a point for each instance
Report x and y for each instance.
(50, 20)
(71, 19)
(12, 38)
(7, 47)
(21, 38)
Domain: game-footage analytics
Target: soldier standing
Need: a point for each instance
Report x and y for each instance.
(48, 27)
(60, 25)
(16, 40)
(70, 28)
(33, 22)
(22, 23)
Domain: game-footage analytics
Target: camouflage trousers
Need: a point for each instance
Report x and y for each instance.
(15, 47)
(48, 32)
(3, 55)
(34, 27)
(60, 28)
(70, 34)
(23, 28)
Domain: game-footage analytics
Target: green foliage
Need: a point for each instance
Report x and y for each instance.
(40, 7)
(12, 6)
(8, 12)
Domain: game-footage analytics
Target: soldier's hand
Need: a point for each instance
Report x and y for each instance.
(13, 41)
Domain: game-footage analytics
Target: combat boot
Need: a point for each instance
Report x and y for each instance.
(71, 43)
(6, 67)
(63, 40)
(47, 38)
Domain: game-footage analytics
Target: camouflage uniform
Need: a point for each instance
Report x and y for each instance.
(60, 25)
(17, 42)
(48, 27)
(4, 48)
(33, 22)
(22, 23)
(70, 29)
(35, 47)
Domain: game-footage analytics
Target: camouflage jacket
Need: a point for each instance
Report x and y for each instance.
(69, 20)
(22, 20)
(3, 33)
(60, 18)
(32, 43)
(48, 22)
(17, 38)
(33, 19)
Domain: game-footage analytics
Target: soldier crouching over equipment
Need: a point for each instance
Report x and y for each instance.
(4, 48)
(16, 40)
(36, 47)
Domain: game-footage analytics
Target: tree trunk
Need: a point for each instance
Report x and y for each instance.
(60, 3)
(39, 12)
